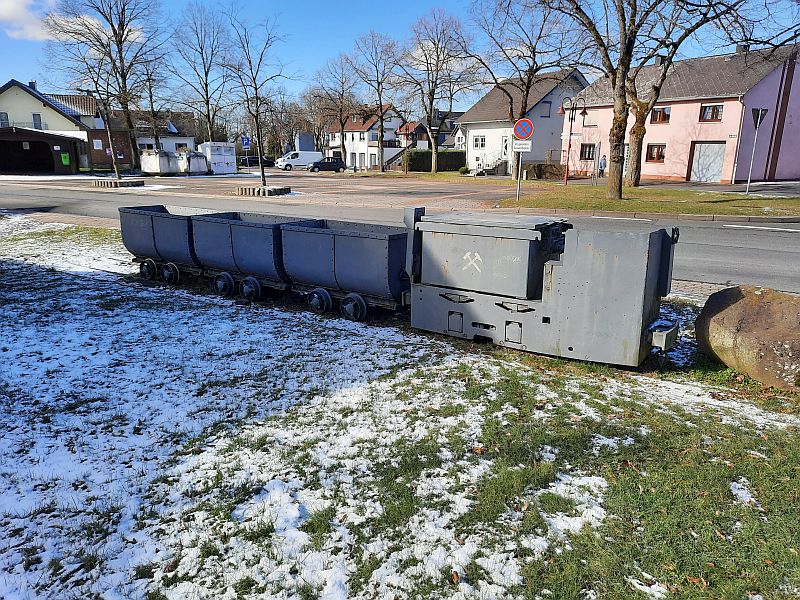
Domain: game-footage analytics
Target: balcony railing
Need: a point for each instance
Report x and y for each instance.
(386, 143)
(28, 124)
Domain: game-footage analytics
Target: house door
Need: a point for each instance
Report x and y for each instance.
(362, 159)
(707, 161)
(352, 159)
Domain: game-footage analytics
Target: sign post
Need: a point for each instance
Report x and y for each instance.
(758, 119)
(523, 132)
(246, 148)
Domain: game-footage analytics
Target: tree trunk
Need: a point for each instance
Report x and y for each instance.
(635, 147)
(136, 162)
(260, 145)
(433, 142)
(616, 141)
(104, 115)
(514, 163)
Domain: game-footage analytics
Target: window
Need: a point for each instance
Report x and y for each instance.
(294, 155)
(655, 153)
(546, 107)
(660, 115)
(37, 121)
(361, 136)
(587, 151)
(711, 112)
(352, 137)
(4, 119)
(181, 146)
(479, 141)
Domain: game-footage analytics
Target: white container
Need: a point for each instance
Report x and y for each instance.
(159, 162)
(192, 163)
(221, 157)
(297, 159)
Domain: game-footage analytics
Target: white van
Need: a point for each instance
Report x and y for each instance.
(297, 159)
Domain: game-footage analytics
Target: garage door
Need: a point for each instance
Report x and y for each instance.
(26, 157)
(707, 161)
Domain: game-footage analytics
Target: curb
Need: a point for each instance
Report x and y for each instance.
(656, 216)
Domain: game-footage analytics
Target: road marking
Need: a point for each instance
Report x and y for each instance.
(764, 228)
(624, 219)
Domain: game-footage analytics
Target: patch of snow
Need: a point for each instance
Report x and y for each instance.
(650, 587)
(587, 492)
(741, 490)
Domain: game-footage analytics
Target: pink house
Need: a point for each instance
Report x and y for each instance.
(702, 128)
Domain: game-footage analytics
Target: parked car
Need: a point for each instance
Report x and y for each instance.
(252, 161)
(297, 159)
(330, 163)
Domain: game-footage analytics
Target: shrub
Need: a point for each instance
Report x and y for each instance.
(463, 170)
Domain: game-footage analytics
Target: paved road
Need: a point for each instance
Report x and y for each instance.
(711, 252)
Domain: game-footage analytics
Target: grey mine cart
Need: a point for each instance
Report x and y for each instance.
(536, 284)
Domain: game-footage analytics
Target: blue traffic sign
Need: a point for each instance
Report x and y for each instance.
(245, 142)
(523, 129)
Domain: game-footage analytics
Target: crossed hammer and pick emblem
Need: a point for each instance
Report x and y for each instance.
(472, 260)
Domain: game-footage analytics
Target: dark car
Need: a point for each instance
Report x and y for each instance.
(331, 163)
(252, 161)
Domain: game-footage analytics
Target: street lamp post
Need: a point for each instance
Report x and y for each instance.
(569, 107)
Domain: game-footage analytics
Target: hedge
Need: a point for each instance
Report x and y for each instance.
(446, 160)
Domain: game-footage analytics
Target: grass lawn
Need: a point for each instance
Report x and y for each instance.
(165, 443)
(650, 198)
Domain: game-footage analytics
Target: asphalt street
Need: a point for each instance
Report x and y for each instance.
(765, 254)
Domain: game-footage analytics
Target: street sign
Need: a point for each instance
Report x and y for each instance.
(523, 129)
(758, 116)
(245, 143)
(521, 145)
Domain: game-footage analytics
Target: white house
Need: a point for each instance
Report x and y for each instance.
(487, 132)
(361, 138)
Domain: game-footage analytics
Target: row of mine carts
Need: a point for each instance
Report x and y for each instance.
(531, 283)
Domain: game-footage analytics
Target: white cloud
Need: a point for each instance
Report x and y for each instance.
(23, 19)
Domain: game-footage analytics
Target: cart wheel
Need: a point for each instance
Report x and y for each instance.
(225, 285)
(148, 269)
(319, 301)
(171, 273)
(353, 307)
(250, 289)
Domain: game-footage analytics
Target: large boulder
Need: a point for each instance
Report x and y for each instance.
(755, 331)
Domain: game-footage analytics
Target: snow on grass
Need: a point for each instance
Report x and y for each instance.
(741, 491)
(162, 441)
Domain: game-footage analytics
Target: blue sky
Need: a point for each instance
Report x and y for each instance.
(314, 31)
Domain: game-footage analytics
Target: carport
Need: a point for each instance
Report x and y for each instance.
(24, 151)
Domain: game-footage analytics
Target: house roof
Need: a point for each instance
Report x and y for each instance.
(81, 105)
(408, 127)
(168, 123)
(723, 76)
(494, 105)
(363, 122)
(60, 108)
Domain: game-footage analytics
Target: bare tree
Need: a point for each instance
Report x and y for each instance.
(433, 71)
(627, 34)
(312, 101)
(336, 82)
(674, 24)
(153, 82)
(254, 70)
(120, 31)
(521, 42)
(201, 41)
(373, 60)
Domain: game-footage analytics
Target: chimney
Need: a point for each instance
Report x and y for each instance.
(742, 48)
(32, 84)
